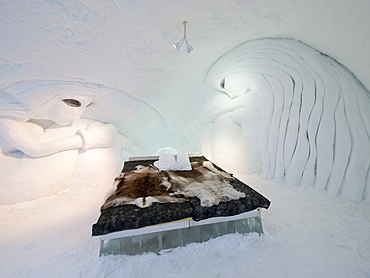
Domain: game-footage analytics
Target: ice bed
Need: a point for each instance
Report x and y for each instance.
(129, 229)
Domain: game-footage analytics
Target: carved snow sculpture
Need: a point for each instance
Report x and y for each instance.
(47, 143)
(290, 113)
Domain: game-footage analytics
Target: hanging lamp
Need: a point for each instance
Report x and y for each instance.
(184, 39)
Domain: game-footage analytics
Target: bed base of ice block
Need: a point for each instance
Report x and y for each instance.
(164, 237)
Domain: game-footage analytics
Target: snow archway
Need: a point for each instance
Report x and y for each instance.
(291, 113)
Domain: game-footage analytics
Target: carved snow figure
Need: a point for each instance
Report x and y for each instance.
(290, 113)
(46, 145)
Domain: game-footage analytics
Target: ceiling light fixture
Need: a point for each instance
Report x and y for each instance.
(181, 42)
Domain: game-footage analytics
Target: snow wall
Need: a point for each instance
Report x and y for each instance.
(58, 135)
(127, 45)
(292, 113)
(280, 108)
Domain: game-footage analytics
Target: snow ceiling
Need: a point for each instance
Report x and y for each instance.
(126, 47)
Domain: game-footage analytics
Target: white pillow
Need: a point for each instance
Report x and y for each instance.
(173, 162)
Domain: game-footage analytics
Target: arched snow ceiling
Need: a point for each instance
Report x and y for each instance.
(127, 45)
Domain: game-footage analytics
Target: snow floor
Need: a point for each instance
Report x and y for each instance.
(307, 234)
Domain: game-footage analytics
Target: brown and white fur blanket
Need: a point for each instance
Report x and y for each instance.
(147, 185)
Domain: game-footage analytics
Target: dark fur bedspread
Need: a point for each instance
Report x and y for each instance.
(142, 187)
(126, 217)
(147, 185)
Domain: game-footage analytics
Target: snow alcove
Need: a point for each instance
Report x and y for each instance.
(276, 93)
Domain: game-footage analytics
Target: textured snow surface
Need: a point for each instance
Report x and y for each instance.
(127, 44)
(307, 234)
(305, 123)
